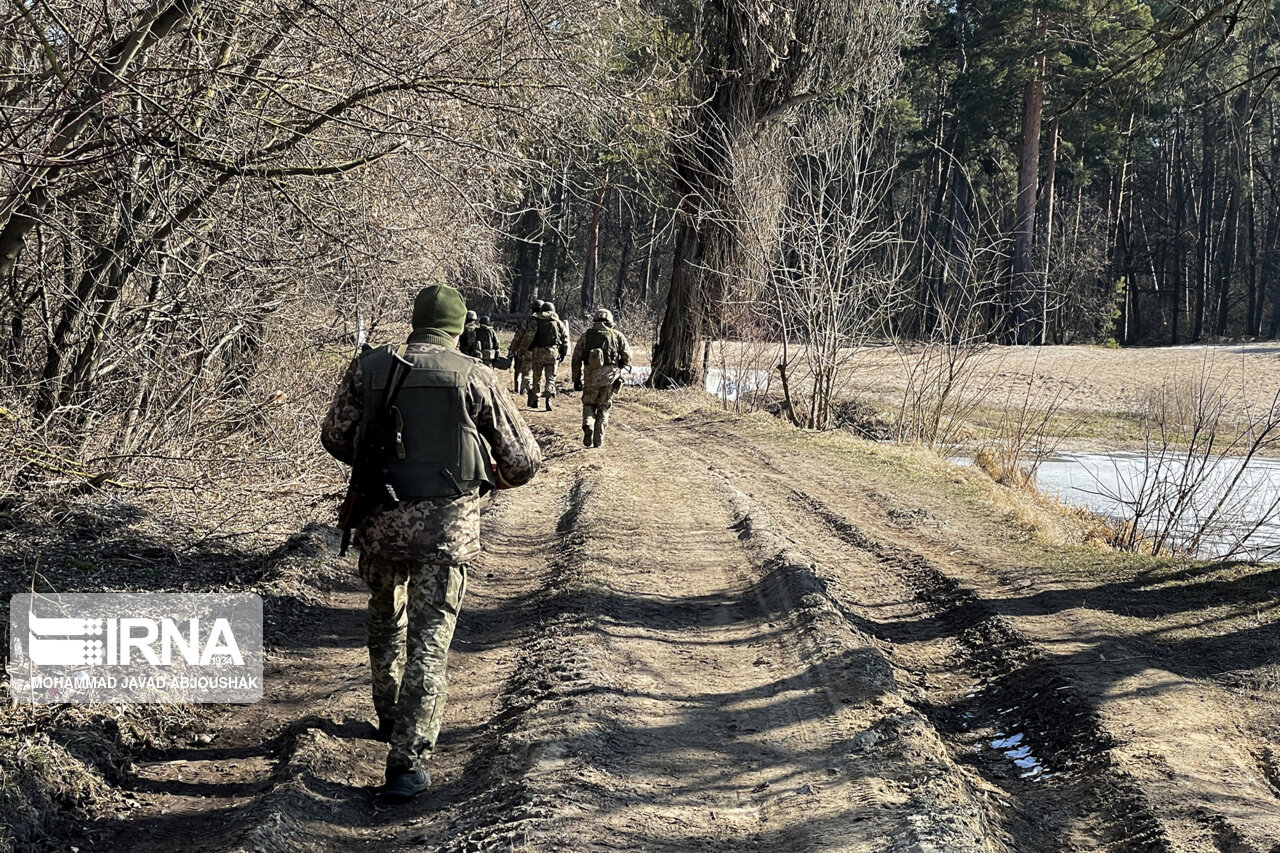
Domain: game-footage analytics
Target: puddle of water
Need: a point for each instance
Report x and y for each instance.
(729, 385)
(1013, 749)
(1104, 483)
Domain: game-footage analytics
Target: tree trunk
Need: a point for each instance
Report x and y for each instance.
(1230, 232)
(675, 356)
(1176, 258)
(593, 249)
(1270, 264)
(650, 270)
(528, 237)
(624, 257)
(1050, 199)
(1204, 253)
(1023, 283)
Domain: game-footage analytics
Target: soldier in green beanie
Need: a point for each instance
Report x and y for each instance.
(415, 549)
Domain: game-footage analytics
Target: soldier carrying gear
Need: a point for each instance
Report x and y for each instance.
(469, 343)
(518, 351)
(457, 435)
(488, 340)
(546, 347)
(599, 357)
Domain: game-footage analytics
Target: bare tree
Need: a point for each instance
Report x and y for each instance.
(758, 61)
(835, 284)
(187, 184)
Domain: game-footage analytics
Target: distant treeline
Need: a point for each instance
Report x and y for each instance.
(1060, 172)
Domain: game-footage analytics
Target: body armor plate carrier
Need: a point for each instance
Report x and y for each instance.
(437, 451)
(545, 335)
(605, 341)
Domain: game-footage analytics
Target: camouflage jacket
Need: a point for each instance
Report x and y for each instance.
(606, 374)
(436, 530)
(487, 339)
(560, 348)
(524, 336)
(469, 343)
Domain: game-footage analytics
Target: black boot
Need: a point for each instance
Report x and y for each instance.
(403, 785)
(548, 399)
(532, 400)
(385, 726)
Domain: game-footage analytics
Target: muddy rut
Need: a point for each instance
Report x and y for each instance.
(695, 640)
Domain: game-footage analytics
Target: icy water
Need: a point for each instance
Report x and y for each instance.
(1106, 483)
(727, 384)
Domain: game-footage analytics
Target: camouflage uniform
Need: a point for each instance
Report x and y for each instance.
(487, 340)
(414, 559)
(469, 343)
(598, 382)
(545, 359)
(520, 355)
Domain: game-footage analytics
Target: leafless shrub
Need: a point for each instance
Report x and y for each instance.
(1201, 484)
(945, 345)
(944, 388)
(188, 183)
(1024, 433)
(835, 284)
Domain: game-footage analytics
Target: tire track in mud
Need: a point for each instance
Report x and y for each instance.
(946, 810)
(1013, 691)
(516, 766)
(1200, 781)
(1016, 691)
(906, 792)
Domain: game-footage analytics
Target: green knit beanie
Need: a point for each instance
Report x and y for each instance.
(440, 307)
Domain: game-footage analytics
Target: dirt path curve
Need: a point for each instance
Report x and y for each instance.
(1105, 741)
(693, 641)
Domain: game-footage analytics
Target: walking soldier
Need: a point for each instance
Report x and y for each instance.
(547, 348)
(487, 338)
(599, 358)
(428, 430)
(469, 343)
(518, 352)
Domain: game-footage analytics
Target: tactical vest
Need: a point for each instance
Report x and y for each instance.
(444, 455)
(545, 335)
(603, 339)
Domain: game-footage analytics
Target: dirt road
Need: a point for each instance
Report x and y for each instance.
(719, 634)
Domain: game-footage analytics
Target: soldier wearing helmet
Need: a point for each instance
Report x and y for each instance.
(518, 352)
(487, 339)
(546, 347)
(469, 342)
(599, 357)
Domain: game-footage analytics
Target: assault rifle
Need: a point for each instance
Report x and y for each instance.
(368, 489)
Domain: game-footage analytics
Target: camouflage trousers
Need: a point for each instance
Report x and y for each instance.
(413, 608)
(596, 401)
(522, 367)
(544, 364)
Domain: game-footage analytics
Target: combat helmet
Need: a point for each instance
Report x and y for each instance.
(485, 320)
(549, 307)
(471, 316)
(603, 315)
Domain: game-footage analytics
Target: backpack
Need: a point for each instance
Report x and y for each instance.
(604, 341)
(546, 333)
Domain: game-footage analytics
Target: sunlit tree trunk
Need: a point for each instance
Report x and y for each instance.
(1023, 283)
